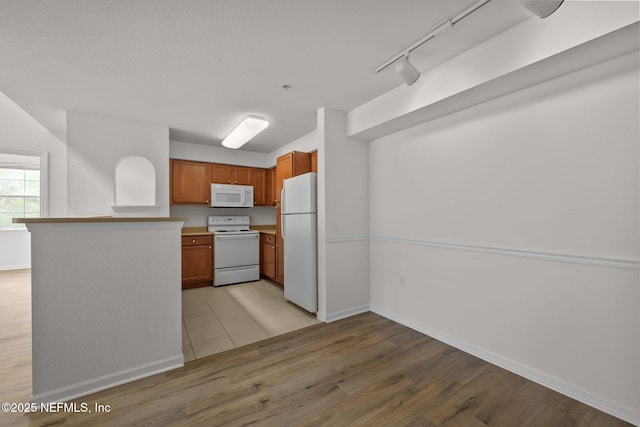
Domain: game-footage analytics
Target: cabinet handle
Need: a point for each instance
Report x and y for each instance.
(209, 247)
(193, 241)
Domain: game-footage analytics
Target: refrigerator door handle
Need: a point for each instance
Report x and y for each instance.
(282, 199)
(282, 210)
(282, 219)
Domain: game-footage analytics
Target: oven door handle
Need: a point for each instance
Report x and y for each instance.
(238, 236)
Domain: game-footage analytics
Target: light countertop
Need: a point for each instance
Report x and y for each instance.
(195, 231)
(94, 219)
(202, 231)
(267, 229)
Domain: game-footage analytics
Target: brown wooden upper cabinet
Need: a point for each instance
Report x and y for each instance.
(291, 164)
(287, 166)
(260, 187)
(229, 174)
(314, 161)
(271, 187)
(221, 174)
(190, 182)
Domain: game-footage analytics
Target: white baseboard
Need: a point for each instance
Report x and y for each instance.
(536, 376)
(14, 267)
(93, 385)
(352, 311)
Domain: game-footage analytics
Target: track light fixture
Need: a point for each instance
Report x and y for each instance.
(410, 74)
(407, 71)
(542, 8)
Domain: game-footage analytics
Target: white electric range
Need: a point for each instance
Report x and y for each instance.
(236, 250)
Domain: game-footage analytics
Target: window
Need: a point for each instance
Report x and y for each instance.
(19, 189)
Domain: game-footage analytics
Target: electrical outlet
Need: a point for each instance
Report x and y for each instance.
(334, 227)
(403, 281)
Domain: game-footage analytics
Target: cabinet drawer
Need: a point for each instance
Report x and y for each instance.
(268, 238)
(196, 240)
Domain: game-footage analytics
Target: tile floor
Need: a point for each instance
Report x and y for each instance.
(216, 319)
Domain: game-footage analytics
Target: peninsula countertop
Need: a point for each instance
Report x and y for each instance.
(95, 219)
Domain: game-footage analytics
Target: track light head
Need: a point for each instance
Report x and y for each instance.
(542, 8)
(407, 71)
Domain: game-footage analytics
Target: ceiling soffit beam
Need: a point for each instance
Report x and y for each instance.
(539, 39)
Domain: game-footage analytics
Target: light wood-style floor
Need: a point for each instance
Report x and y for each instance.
(362, 371)
(15, 337)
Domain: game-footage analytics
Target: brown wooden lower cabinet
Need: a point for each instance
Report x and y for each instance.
(268, 255)
(197, 261)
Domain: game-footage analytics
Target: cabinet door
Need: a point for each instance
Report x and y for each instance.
(314, 161)
(279, 278)
(260, 187)
(287, 166)
(301, 163)
(221, 174)
(242, 175)
(197, 266)
(284, 170)
(269, 260)
(271, 187)
(190, 182)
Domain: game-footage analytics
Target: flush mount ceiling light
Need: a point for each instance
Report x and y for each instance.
(245, 131)
(542, 8)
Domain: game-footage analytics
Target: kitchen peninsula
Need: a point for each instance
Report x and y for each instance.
(106, 302)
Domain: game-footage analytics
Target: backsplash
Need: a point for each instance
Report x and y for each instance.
(197, 215)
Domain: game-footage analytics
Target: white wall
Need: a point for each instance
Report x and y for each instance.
(306, 143)
(95, 144)
(21, 133)
(15, 249)
(552, 46)
(343, 220)
(205, 153)
(511, 230)
(105, 304)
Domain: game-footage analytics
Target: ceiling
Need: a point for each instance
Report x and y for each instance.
(200, 66)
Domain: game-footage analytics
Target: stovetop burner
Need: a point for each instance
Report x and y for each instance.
(229, 224)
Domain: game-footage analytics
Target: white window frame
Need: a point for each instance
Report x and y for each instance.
(44, 175)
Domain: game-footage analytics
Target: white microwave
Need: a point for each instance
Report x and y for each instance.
(231, 196)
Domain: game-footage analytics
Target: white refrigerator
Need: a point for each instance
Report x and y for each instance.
(299, 231)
